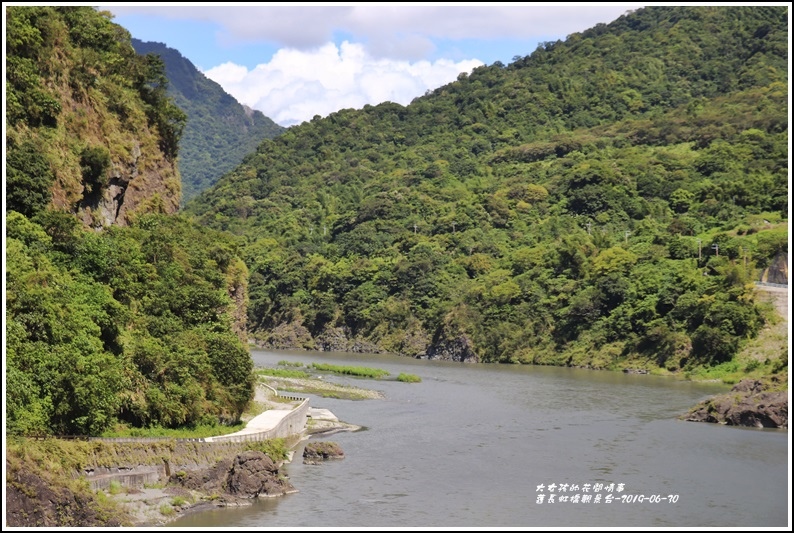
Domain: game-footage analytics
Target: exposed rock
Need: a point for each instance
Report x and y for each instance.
(777, 272)
(748, 404)
(254, 473)
(290, 335)
(338, 340)
(458, 349)
(321, 451)
(31, 500)
(249, 475)
(634, 371)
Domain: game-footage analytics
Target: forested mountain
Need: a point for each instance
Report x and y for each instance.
(219, 131)
(603, 202)
(118, 312)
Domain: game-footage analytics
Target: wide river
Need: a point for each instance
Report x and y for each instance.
(477, 445)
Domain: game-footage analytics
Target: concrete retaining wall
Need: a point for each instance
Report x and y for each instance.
(292, 424)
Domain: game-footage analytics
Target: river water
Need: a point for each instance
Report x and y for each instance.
(476, 445)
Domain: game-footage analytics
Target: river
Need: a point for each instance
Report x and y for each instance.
(476, 445)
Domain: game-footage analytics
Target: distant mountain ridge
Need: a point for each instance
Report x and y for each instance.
(219, 131)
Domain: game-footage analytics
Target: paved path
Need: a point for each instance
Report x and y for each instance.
(263, 422)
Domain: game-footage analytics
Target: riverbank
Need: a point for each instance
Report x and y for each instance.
(164, 503)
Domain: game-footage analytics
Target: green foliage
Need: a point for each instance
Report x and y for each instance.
(547, 211)
(128, 325)
(358, 371)
(290, 363)
(276, 449)
(29, 179)
(79, 99)
(282, 373)
(409, 378)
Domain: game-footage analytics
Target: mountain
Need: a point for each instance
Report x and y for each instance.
(601, 202)
(219, 131)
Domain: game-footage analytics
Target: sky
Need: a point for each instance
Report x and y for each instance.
(295, 61)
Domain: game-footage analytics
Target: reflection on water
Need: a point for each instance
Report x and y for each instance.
(470, 445)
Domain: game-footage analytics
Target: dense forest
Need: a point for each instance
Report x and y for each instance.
(218, 132)
(603, 202)
(118, 311)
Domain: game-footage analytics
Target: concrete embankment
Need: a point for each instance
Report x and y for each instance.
(169, 456)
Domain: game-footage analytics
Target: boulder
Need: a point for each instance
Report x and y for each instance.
(748, 404)
(250, 474)
(321, 451)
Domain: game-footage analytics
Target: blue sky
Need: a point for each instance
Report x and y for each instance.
(294, 61)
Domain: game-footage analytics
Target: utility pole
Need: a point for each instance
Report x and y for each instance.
(414, 228)
(626, 235)
(325, 229)
(716, 248)
(311, 230)
(700, 242)
(588, 227)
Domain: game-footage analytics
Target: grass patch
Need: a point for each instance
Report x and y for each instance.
(358, 371)
(281, 373)
(115, 487)
(276, 449)
(323, 388)
(195, 432)
(409, 378)
(290, 363)
(166, 509)
(178, 501)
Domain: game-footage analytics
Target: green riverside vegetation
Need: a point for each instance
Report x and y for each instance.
(358, 371)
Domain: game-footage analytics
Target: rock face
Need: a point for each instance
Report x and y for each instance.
(338, 340)
(458, 349)
(249, 475)
(748, 404)
(314, 452)
(777, 272)
(32, 502)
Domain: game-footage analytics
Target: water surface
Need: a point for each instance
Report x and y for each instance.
(470, 445)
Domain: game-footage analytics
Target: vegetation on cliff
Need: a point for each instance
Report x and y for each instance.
(89, 128)
(602, 202)
(219, 131)
(116, 312)
(132, 325)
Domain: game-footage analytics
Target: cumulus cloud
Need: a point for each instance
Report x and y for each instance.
(394, 31)
(296, 85)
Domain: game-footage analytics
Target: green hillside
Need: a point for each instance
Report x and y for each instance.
(118, 312)
(603, 202)
(219, 131)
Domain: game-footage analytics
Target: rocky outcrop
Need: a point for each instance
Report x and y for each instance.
(338, 340)
(749, 403)
(459, 349)
(314, 452)
(290, 335)
(777, 272)
(32, 500)
(251, 474)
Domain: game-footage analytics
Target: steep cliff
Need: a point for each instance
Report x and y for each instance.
(90, 130)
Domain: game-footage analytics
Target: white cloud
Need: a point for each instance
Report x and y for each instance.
(296, 85)
(389, 30)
